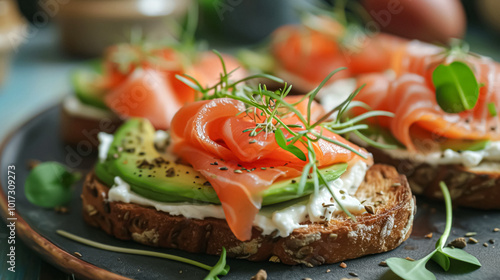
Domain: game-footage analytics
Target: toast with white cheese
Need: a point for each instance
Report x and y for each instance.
(385, 194)
(476, 187)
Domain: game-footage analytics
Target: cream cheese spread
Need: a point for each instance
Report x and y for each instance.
(283, 217)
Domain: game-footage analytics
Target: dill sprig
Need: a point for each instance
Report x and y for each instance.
(269, 110)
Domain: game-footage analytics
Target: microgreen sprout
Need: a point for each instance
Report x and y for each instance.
(269, 110)
(219, 269)
(415, 270)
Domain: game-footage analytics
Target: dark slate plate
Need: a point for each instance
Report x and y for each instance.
(39, 139)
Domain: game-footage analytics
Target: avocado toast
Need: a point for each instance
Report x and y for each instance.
(258, 172)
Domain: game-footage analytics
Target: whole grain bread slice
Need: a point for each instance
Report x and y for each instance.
(474, 187)
(385, 192)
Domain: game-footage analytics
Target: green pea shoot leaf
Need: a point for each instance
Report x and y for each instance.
(49, 185)
(456, 87)
(281, 140)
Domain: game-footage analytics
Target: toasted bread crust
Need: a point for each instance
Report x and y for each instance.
(468, 187)
(317, 244)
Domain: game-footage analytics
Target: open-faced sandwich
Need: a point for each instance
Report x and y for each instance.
(445, 124)
(136, 80)
(263, 174)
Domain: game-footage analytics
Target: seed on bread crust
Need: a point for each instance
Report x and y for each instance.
(90, 209)
(370, 209)
(471, 187)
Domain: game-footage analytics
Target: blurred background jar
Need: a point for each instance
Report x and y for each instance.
(12, 27)
(87, 27)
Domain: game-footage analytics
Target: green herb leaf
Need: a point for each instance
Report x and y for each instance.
(281, 140)
(449, 213)
(303, 178)
(442, 259)
(411, 270)
(49, 185)
(337, 200)
(456, 86)
(415, 270)
(220, 268)
(317, 89)
(461, 255)
(189, 83)
(492, 109)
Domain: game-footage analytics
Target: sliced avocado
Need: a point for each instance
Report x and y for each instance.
(464, 145)
(288, 189)
(134, 157)
(85, 84)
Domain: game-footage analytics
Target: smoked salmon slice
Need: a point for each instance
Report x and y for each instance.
(413, 102)
(311, 53)
(212, 136)
(150, 89)
(145, 93)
